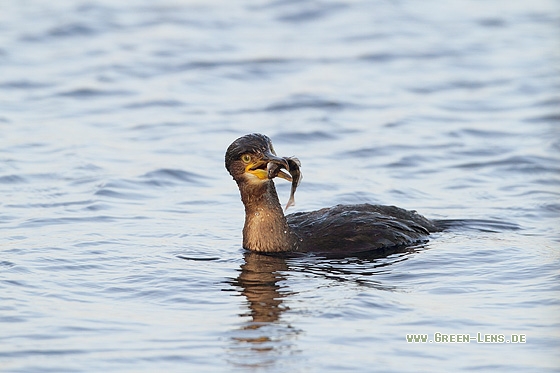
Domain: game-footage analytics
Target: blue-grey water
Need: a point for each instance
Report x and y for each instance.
(120, 229)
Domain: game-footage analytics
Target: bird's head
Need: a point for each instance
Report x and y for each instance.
(250, 157)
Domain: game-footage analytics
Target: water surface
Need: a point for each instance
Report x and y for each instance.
(120, 230)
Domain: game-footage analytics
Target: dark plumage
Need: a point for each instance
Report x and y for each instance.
(338, 230)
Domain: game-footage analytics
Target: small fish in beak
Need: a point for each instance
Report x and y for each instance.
(295, 176)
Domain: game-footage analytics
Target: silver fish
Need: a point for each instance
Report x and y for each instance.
(295, 176)
(295, 172)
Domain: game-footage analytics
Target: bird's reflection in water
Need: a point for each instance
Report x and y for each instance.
(264, 337)
(260, 279)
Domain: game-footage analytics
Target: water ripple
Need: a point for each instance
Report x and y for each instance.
(86, 93)
(164, 176)
(12, 179)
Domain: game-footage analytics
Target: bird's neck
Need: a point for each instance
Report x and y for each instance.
(266, 229)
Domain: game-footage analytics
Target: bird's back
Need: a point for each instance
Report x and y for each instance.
(348, 229)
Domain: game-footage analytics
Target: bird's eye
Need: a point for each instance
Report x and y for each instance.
(246, 158)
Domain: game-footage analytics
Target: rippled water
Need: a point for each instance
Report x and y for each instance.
(120, 230)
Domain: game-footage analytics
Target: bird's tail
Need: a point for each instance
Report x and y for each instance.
(481, 225)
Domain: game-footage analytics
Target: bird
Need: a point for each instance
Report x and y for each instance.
(340, 230)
